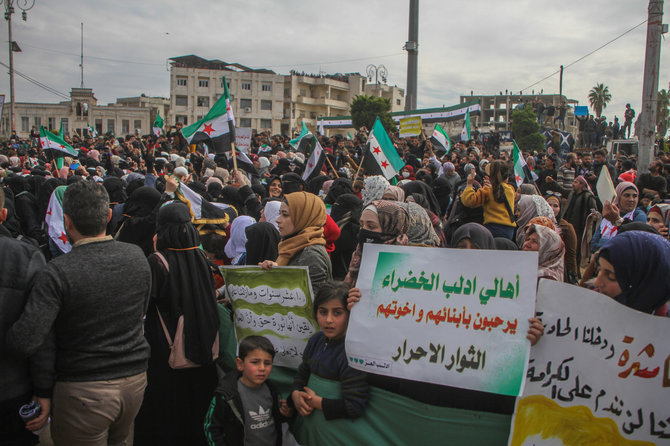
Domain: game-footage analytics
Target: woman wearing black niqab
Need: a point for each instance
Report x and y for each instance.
(262, 241)
(175, 401)
(139, 219)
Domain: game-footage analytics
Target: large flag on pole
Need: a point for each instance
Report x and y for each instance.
(440, 140)
(519, 165)
(54, 220)
(49, 141)
(314, 163)
(202, 211)
(217, 128)
(158, 125)
(381, 157)
(61, 132)
(465, 133)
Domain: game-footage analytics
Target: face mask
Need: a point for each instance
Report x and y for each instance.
(405, 174)
(367, 236)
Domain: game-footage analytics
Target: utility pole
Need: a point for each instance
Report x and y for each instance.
(560, 86)
(652, 57)
(81, 63)
(412, 48)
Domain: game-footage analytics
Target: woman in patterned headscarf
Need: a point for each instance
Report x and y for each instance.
(374, 188)
(550, 248)
(529, 207)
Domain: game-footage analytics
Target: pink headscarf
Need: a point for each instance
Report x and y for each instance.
(94, 154)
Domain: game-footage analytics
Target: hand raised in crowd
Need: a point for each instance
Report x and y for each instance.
(487, 181)
(38, 422)
(171, 184)
(611, 212)
(471, 178)
(535, 330)
(354, 296)
(301, 402)
(549, 179)
(240, 179)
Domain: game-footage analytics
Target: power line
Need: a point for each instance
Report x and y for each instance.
(38, 83)
(586, 55)
(93, 57)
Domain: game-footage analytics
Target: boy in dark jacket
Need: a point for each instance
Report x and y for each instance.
(246, 409)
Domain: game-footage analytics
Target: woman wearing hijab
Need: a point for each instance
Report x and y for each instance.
(658, 218)
(301, 219)
(262, 241)
(138, 225)
(567, 234)
(529, 207)
(271, 212)
(394, 193)
(419, 187)
(382, 222)
(473, 236)
(442, 190)
(622, 210)
(339, 187)
(635, 271)
(374, 188)
(421, 231)
(435, 221)
(235, 248)
(549, 246)
(175, 401)
(346, 212)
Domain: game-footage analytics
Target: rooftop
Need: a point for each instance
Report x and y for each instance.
(193, 61)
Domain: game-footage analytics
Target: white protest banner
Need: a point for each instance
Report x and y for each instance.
(276, 304)
(605, 187)
(410, 126)
(599, 375)
(444, 316)
(243, 139)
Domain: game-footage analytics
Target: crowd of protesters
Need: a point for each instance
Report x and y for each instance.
(84, 320)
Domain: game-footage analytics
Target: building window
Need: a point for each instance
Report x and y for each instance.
(203, 82)
(246, 86)
(137, 125)
(125, 126)
(227, 83)
(52, 124)
(339, 97)
(25, 122)
(181, 81)
(266, 105)
(397, 101)
(245, 103)
(37, 122)
(303, 92)
(98, 126)
(302, 114)
(181, 101)
(66, 126)
(110, 126)
(266, 87)
(312, 115)
(203, 101)
(199, 117)
(181, 118)
(266, 123)
(245, 122)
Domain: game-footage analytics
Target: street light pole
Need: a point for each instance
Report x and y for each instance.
(23, 5)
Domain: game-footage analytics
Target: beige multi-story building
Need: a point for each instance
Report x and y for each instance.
(81, 111)
(264, 100)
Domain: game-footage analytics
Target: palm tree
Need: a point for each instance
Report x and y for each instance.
(599, 96)
(663, 113)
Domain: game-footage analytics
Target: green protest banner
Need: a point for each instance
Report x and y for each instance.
(276, 304)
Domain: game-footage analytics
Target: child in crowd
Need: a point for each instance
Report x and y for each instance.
(246, 409)
(325, 357)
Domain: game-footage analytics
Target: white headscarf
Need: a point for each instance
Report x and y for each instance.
(238, 236)
(271, 212)
(374, 188)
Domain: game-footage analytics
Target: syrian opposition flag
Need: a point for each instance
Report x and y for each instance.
(202, 211)
(465, 133)
(380, 156)
(304, 131)
(91, 131)
(49, 141)
(54, 220)
(440, 140)
(217, 128)
(349, 137)
(158, 125)
(520, 166)
(314, 163)
(244, 163)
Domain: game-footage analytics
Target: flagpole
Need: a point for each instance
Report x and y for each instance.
(331, 166)
(232, 145)
(359, 169)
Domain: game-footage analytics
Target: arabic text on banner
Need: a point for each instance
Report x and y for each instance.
(243, 139)
(276, 304)
(410, 126)
(599, 375)
(444, 316)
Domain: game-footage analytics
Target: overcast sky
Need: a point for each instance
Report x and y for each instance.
(485, 46)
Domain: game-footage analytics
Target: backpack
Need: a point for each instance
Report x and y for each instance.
(177, 358)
